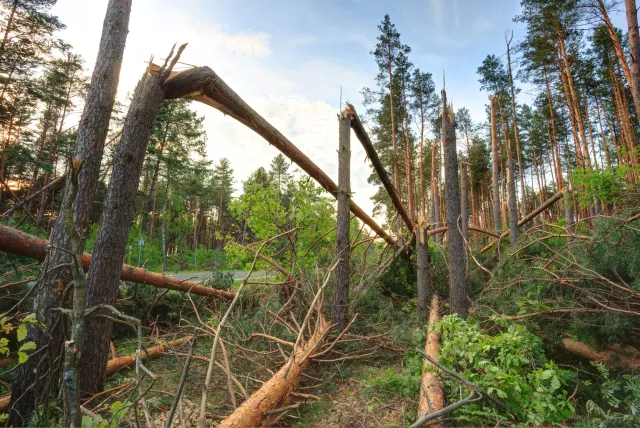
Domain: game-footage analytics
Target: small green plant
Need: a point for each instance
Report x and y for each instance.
(118, 412)
(511, 366)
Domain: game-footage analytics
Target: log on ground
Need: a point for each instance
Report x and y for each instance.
(431, 392)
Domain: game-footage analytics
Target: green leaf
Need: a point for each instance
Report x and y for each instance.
(22, 357)
(28, 346)
(555, 383)
(22, 332)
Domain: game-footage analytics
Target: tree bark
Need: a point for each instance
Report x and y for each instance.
(340, 306)
(455, 243)
(634, 42)
(431, 391)
(422, 260)
(495, 166)
(464, 201)
(515, 129)
(29, 389)
(110, 245)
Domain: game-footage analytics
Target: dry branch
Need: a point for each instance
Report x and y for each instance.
(204, 85)
(16, 242)
(431, 392)
(33, 195)
(273, 393)
(121, 362)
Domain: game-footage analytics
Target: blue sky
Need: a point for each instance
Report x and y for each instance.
(289, 60)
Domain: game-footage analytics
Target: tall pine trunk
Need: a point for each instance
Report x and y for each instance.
(36, 381)
(495, 167)
(634, 42)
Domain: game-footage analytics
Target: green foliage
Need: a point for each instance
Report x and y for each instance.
(606, 184)
(511, 366)
(118, 412)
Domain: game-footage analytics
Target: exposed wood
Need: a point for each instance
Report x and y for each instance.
(204, 85)
(431, 391)
(120, 363)
(17, 242)
(533, 214)
(274, 393)
(627, 358)
(364, 139)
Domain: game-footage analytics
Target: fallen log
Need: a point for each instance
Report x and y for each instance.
(202, 84)
(627, 358)
(120, 363)
(526, 219)
(22, 244)
(431, 392)
(362, 135)
(274, 393)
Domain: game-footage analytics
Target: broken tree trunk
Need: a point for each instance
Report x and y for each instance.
(274, 392)
(363, 137)
(340, 306)
(431, 392)
(455, 243)
(204, 85)
(422, 260)
(120, 363)
(16, 242)
(495, 166)
(533, 214)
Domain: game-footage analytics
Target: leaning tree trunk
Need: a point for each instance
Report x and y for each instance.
(495, 166)
(634, 42)
(340, 305)
(109, 249)
(36, 381)
(455, 244)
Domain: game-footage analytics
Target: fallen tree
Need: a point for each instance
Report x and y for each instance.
(22, 244)
(526, 219)
(626, 358)
(202, 84)
(431, 392)
(120, 363)
(274, 394)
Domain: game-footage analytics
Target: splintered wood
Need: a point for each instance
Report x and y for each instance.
(431, 392)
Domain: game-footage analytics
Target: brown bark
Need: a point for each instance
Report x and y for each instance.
(422, 261)
(533, 214)
(204, 85)
(30, 389)
(464, 201)
(340, 306)
(495, 166)
(523, 207)
(22, 244)
(274, 392)
(624, 358)
(364, 139)
(634, 42)
(7, 30)
(431, 391)
(455, 242)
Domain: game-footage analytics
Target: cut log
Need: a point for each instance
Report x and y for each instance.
(120, 363)
(431, 392)
(22, 244)
(533, 214)
(274, 393)
(627, 358)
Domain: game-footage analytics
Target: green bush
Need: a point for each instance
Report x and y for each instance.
(511, 366)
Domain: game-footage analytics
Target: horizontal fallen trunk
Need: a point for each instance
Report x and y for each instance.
(431, 392)
(533, 214)
(22, 244)
(202, 84)
(274, 393)
(627, 358)
(120, 363)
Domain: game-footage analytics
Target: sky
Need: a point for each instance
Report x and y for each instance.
(290, 60)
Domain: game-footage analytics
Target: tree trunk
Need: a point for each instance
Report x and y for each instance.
(495, 166)
(464, 201)
(634, 42)
(455, 244)
(515, 130)
(7, 30)
(109, 248)
(340, 306)
(30, 390)
(431, 392)
(422, 261)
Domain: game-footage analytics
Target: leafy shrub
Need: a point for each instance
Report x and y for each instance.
(511, 366)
